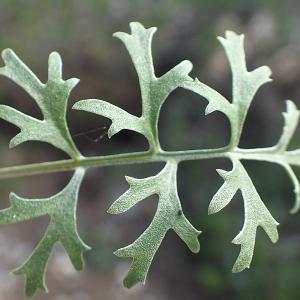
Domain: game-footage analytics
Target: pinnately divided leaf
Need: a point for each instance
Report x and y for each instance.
(168, 216)
(50, 97)
(245, 85)
(291, 119)
(154, 91)
(256, 213)
(62, 228)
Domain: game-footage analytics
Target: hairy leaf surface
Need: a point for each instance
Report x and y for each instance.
(62, 228)
(244, 86)
(51, 98)
(168, 216)
(154, 90)
(256, 213)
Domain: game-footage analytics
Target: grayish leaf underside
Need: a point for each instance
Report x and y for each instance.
(168, 216)
(62, 228)
(52, 100)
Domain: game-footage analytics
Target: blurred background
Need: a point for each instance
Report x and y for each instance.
(81, 32)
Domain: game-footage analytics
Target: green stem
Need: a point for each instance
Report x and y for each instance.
(265, 154)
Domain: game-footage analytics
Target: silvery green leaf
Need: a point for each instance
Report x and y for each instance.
(62, 228)
(291, 120)
(154, 90)
(168, 216)
(51, 98)
(226, 192)
(256, 213)
(296, 185)
(245, 85)
(216, 102)
(121, 119)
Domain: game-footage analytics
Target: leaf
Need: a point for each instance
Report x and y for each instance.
(245, 86)
(226, 192)
(154, 90)
(296, 189)
(256, 213)
(50, 97)
(121, 119)
(168, 215)
(215, 100)
(245, 83)
(62, 228)
(291, 120)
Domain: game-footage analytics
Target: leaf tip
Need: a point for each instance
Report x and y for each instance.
(209, 109)
(120, 35)
(221, 39)
(122, 252)
(7, 53)
(55, 57)
(130, 180)
(72, 82)
(212, 209)
(111, 132)
(111, 211)
(188, 66)
(237, 268)
(223, 173)
(13, 143)
(78, 105)
(32, 284)
(267, 71)
(134, 26)
(230, 35)
(296, 206)
(291, 108)
(130, 281)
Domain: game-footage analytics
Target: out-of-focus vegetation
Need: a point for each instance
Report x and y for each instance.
(81, 32)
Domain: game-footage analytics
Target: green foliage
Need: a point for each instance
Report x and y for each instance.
(52, 99)
(154, 91)
(168, 215)
(256, 213)
(245, 85)
(62, 228)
